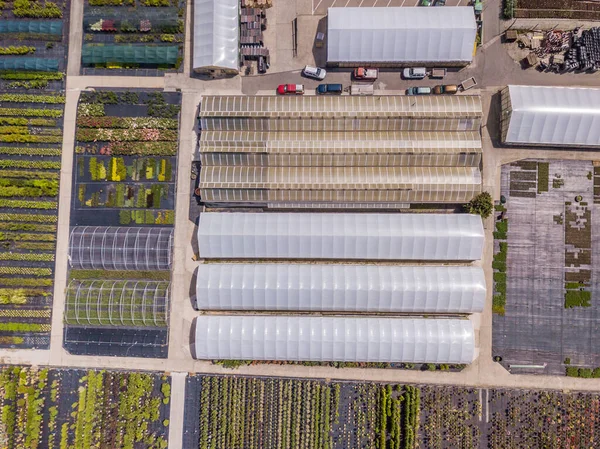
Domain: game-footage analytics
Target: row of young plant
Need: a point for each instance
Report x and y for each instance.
(110, 409)
(30, 148)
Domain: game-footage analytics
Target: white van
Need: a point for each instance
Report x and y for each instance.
(314, 72)
(361, 89)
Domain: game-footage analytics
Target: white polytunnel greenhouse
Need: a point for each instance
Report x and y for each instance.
(120, 248)
(371, 236)
(551, 116)
(334, 339)
(390, 37)
(344, 288)
(216, 36)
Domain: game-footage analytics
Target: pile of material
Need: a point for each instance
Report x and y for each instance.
(585, 52)
(257, 4)
(554, 42)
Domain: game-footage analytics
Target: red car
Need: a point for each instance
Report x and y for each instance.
(290, 89)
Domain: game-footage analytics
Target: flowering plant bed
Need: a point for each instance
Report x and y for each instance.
(53, 409)
(30, 149)
(133, 37)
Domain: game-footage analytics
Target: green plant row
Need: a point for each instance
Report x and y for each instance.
(29, 164)
(23, 204)
(15, 129)
(125, 135)
(30, 151)
(90, 110)
(25, 271)
(25, 282)
(25, 237)
(36, 84)
(20, 226)
(31, 112)
(31, 98)
(24, 138)
(33, 9)
(16, 75)
(28, 257)
(24, 327)
(10, 187)
(134, 149)
(30, 174)
(586, 373)
(108, 97)
(38, 218)
(35, 246)
(127, 122)
(16, 50)
(20, 121)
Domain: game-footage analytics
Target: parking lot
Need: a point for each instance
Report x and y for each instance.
(319, 7)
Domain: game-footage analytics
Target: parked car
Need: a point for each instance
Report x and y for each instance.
(314, 72)
(330, 89)
(365, 74)
(414, 73)
(425, 3)
(418, 91)
(440, 3)
(445, 89)
(290, 89)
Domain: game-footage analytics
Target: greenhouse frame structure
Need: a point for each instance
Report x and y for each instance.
(550, 116)
(321, 339)
(117, 303)
(120, 248)
(340, 288)
(373, 236)
(353, 152)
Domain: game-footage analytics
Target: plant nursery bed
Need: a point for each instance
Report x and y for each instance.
(31, 127)
(118, 34)
(52, 409)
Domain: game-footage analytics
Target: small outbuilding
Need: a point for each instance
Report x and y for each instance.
(395, 37)
(550, 116)
(216, 37)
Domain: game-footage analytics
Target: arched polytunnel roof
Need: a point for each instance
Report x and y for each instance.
(340, 236)
(348, 288)
(334, 339)
(120, 248)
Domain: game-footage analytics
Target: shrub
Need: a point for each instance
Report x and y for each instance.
(586, 373)
(509, 8)
(577, 298)
(596, 373)
(498, 265)
(20, 50)
(571, 371)
(568, 361)
(482, 205)
(36, 84)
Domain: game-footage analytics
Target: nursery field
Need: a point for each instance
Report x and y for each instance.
(33, 45)
(126, 158)
(117, 301)
(30, 149)
(558, 9)
(133, 37)
(71, 409)
(240, 412)
(546, 308)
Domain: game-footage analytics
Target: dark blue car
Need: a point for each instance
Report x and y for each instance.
(330, 89)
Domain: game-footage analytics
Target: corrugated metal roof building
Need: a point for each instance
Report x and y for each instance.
(340, 288)
(441, 237)
(391, 37)
(347, 152)
(334, 339)
(551, 116)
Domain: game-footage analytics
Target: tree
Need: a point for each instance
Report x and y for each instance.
(482, 205)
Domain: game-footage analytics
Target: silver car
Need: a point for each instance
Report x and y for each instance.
(414, 73)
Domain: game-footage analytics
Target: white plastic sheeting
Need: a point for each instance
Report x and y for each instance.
(554, 116)
(216, 34)
(334, 339)
(347, 288)
(340, 236)
(410, 34)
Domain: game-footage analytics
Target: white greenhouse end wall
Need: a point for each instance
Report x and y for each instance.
(334, 339)
(216, 35)
(443, 237)
(400, 35)
(345, 288)
(556, 116)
